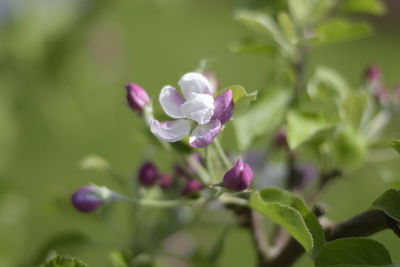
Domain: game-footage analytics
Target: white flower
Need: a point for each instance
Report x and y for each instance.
(197, 107)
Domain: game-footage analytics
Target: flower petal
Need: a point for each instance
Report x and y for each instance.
(223, 107)
(199, 107)
(171, 102)
(203, 135)
(170, 131)
(193, 82)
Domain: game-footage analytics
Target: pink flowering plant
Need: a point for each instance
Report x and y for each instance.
(264, 157)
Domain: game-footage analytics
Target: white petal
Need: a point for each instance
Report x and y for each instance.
(171, 102)
(199, 107)
(203, 135)
(170, 131)
(193, 82)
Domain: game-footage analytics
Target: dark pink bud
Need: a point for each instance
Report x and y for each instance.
(239, 177)
(372, 73)
(90, 198)
(148, 174)
(165, 181)
(280, 138)
(191, 187)
(136, 96)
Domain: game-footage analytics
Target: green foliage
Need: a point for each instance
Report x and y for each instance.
(351, 252)
(251, 46)
(341, 30)
(302, 127)
(64, 261)
(261, 119)
(373, 7)
(307, 12)
(290, 212)
(389, 203)
(395, 144)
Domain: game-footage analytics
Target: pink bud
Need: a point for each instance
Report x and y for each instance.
(89, 198)
(191, 187)
(148, 174)
(137, 97)
(372, 73)
(165, 181)
(239, 177)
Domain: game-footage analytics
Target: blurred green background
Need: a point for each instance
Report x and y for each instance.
(63, 65)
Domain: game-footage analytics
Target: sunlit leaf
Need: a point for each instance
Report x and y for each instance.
(290, 212)
(395, 144)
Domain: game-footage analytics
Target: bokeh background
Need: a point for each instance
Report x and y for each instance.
(63, 65)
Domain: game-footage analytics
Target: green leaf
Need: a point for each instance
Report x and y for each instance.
(389, 203)
(264, 25)
(262, 118)
(290, 212)
(341, 30)
(287, 27)
(395, 144)
(373, 7)
(327, 82)
(64, 261)
(241, 97)
(118, 259)
(306, 12)
(348, 147)
(302, 127)
(353, 107)
(353, 252)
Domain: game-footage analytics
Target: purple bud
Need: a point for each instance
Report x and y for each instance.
(165, 181)
(191, 187)
(239, 177)
(137, 97)
(372, 73)
(89, 198)
(148, 174)
(280, 138)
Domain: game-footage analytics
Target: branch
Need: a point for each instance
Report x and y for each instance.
(251, 220)
(364, 224)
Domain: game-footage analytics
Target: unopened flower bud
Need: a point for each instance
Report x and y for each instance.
(239, 177)
(191, 187)
(372, 73)
(165, 181)
(90, 198)
(280, 138)
(148, 174)
(137, 97)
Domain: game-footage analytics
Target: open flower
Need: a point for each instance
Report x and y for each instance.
(196, 109)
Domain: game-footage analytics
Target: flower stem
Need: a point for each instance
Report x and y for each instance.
(222, 154)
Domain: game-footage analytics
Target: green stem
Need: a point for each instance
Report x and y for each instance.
(222, 154)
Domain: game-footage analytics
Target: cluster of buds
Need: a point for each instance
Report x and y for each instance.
(376, 85)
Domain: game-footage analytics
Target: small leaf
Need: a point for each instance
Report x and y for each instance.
(395, 144)
(287, 27)
(262, 118)
(340, 30)
(353, 252)
(389, 203)
(264, 25)
(307, 12)
(64, 261)
(290, 212)
(373, 7)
